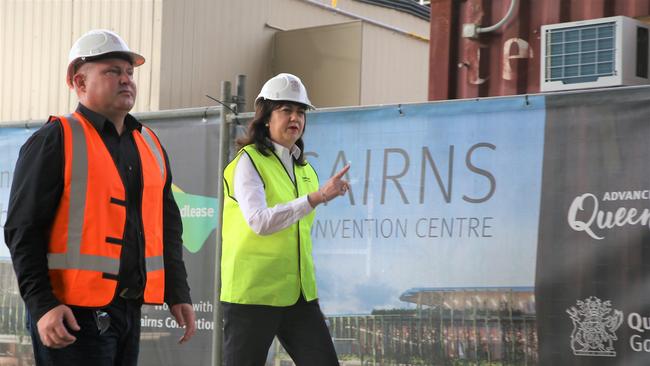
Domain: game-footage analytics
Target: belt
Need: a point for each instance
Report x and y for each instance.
(131, 293)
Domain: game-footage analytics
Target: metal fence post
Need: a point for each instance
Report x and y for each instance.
(224, 141)
(238, 104)
(240, 98)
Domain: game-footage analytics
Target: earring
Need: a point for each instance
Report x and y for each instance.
(266, 124)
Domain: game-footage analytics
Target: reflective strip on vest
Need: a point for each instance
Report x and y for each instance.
(72, 258)
(154, 263)
(154, 148)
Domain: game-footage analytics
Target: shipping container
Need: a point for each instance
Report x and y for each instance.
(505, 61)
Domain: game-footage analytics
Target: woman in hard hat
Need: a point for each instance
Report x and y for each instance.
(268, 283)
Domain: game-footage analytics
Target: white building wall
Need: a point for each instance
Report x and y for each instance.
(190, 47)
(36, 36)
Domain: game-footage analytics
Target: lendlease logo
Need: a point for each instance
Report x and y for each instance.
(585, 214)
(595, 323)
(199, 215)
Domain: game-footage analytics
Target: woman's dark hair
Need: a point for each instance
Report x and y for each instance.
(257, 132)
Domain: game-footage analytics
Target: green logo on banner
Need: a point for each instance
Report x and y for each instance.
(199, 215)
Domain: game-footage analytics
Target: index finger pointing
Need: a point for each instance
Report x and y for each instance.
(342, 172)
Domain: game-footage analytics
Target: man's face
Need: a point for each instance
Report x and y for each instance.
(107, 86)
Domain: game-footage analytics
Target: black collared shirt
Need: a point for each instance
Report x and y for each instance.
(35, 194)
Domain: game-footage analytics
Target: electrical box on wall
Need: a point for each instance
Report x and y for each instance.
(594, 53)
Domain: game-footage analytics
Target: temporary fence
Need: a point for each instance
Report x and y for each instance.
(497, 231)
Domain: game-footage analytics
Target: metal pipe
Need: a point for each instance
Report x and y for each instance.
(240, 86)
(179, 113)
(500, 22)
(141, 116)
(240, 102)
(368, 20)
(224, 139)
(24, 124)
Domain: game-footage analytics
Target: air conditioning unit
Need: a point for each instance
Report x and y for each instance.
(594, 53)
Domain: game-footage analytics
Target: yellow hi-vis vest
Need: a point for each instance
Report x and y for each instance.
(267, 269)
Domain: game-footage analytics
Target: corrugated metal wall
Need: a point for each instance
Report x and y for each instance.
(190, 47)
(506, 61)
(393, 67)
(330, 61)
(36, 35)
(354, 63)
(207, 41)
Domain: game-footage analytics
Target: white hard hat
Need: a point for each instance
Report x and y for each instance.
(285, 87)
(98, 42)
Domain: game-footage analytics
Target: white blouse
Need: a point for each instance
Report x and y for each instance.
(249, 193)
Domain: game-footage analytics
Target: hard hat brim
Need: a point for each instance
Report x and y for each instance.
(135, 59)
(308, 105)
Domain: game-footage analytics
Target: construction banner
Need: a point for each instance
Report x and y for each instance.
(442, 195)
(192, 144)
(593, 261)
(431, 255)
(498, 231)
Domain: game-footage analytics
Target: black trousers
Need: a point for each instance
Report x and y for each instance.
(301, 329)
(111, 339)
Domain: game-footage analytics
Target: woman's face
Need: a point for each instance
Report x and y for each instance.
(287, 124)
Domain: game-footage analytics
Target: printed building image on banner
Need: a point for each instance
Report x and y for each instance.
(11, 139)
(14, 347)
(438, 232)
(593, 261)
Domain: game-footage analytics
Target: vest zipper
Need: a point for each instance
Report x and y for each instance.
(126, 207)
(295, 185)
(139, 231)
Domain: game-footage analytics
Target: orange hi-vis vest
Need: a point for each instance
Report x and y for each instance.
(88, 230)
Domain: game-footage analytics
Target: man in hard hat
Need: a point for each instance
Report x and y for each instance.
(92, 226)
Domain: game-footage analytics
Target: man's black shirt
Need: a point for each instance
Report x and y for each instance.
(36, 193)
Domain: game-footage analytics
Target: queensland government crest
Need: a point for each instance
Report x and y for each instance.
(594, 327)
